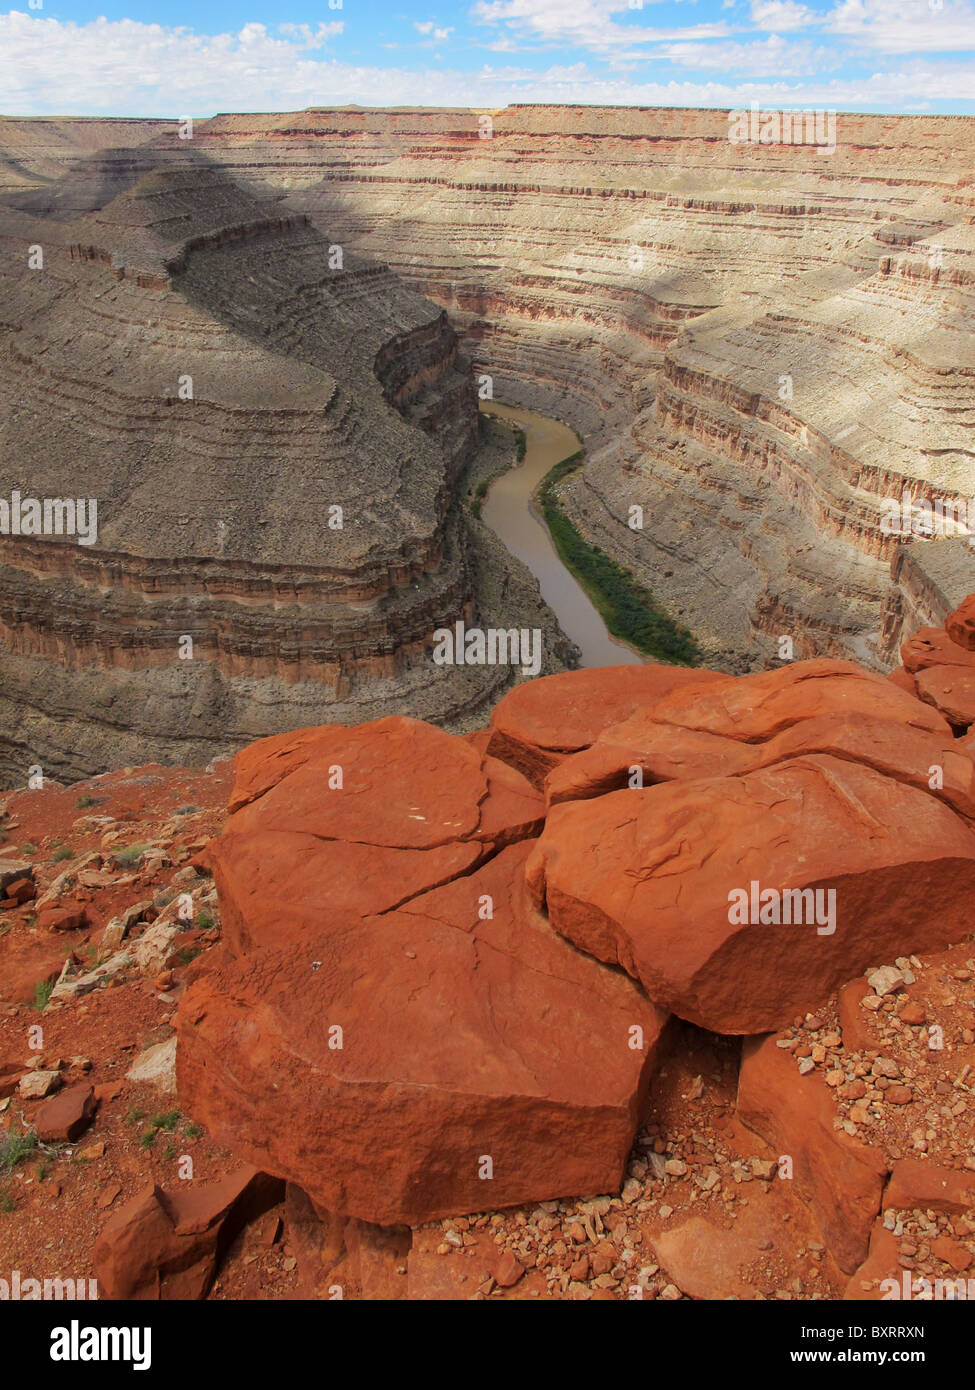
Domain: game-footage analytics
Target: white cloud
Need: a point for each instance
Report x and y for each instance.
(428, 26)
(310, 38)
(908, 26)
(771, 57)
(582, 23)
(124, 68)
(781, 15)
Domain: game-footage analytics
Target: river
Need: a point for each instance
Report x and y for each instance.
(511, 515)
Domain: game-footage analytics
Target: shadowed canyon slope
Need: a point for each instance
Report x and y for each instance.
(758, 343)
(273, 430)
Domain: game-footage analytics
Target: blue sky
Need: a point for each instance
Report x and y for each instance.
(143, 57)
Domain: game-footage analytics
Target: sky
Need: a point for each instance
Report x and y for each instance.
(200, 57)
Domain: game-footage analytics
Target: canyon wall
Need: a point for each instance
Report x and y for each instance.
(759, 343)
(272, 428)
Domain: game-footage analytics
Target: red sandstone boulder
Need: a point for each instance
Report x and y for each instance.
(167, 1244)
(357, 821)
(960, 625)
(540, 721)
(755, 708)
(66, 916)
(839, 1178)
(22, 890)
(66, 1116)
(915, 1183)
(870, 1283)
(660, 881)
(667, 752)
(661, 752)
(479, 1060)
(10, 1074)
(931, 646)
(950, 690)
(12, 870)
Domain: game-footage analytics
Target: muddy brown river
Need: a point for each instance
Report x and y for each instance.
(511, 514)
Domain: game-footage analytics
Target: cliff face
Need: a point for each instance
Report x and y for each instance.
(759, 343)
(271, 428)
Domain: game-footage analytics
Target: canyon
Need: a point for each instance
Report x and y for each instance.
(757, 344)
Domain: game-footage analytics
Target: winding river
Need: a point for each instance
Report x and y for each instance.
(511, 514)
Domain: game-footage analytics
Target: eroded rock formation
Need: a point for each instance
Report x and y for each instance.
(271, 427)
(758, 343)
(422, 963)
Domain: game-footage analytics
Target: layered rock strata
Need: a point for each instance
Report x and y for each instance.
(272, 430)
(759, 343)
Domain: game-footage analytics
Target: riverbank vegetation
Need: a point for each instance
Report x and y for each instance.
(625, 605)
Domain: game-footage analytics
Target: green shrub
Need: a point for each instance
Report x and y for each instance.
(14, 1148)
(130, 855)
(42, 993)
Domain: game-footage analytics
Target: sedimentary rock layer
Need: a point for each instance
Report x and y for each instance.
(271, 428)
(759, 342)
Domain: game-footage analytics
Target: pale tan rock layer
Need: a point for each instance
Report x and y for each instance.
(631, 271)
(639, 275)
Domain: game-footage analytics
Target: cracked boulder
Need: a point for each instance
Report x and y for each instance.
(451, 1054)
(540, 722)
(331, 825)
(740, 901)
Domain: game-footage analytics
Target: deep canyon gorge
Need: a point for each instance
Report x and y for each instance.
(758, 345)
(642, 971)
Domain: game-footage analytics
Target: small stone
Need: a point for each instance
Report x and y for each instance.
(952, 1252)
(65, 1117)
(885, 980)
(37, 1084)
(899, 1095)
(508, 1270)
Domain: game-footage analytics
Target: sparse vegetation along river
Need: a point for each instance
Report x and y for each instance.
(609, 595)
